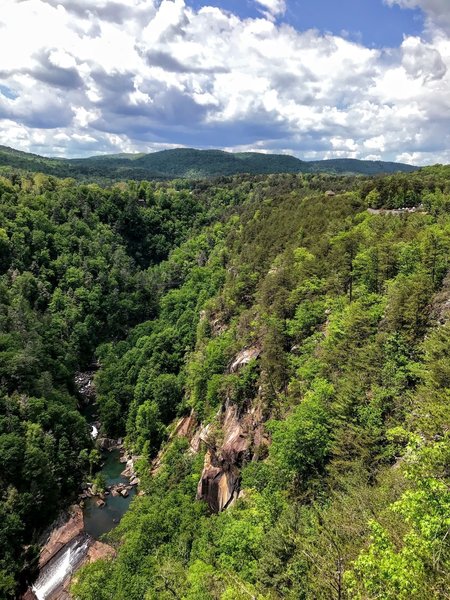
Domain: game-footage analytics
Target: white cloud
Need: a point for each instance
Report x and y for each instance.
(272, 8)
(422, 60)
(437, 11)
(86, 76)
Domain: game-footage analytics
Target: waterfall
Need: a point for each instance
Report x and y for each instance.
(94, 432)
(60, 567)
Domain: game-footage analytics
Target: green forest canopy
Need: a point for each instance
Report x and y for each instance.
(165, 283)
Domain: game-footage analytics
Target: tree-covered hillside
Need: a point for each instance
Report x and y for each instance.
(75, 271)
(275, 354)
(188, 163)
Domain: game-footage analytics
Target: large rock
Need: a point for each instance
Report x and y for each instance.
(219, 483)
(243, 435)
(106, 443)
(61, 536)
(98, 551)
(243, 358)
(84, 383)
(185, 426)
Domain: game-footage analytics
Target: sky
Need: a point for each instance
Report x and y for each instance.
(366, 79)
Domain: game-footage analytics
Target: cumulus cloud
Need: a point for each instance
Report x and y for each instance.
(422, 60)
(84, 76)
(438, 11)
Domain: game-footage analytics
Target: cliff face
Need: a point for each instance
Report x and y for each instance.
(61, 536)
(240, 435)
(232, 440)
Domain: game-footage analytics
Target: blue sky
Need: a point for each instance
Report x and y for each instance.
(318, 79)
(370, 21)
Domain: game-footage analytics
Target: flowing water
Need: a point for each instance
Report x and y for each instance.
(97, 522)
(60, 567)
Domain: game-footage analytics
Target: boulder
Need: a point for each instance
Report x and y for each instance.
(106, 443)
(124, 493)
(84, 384)
(100, 503)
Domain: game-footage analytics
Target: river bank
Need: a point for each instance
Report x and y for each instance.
(77, 540)
(76, 537)
(102, 512)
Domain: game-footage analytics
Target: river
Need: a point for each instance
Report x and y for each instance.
(98, 521)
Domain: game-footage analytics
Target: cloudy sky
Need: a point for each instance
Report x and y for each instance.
(314, 78)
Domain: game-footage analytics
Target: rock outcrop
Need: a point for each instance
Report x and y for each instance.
(61, 536)
(219, 483)
(440, 305)
(241, 433)
(107, 443)
(84, 384)
(243, 358)
(98, 551)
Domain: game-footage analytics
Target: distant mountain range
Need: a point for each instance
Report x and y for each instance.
(190, 163)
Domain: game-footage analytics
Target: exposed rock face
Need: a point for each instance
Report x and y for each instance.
(243, 358)
(129, 470)
(62, 535)
(84, 383)
(185, 426)
(201, 435)
(242, 435)
(219, 482)
(107, 443)
(98, 551)
(396, 211)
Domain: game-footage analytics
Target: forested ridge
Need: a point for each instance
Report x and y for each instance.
(280, 304)
(187, 162)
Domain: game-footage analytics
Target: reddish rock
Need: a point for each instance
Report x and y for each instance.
(186, 426)
(63, 535)
(243, 435)
(98, 551)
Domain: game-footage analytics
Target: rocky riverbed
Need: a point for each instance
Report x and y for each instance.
(67, 549)
(75, 537)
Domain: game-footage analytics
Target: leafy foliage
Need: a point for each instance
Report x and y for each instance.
(344, 313)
